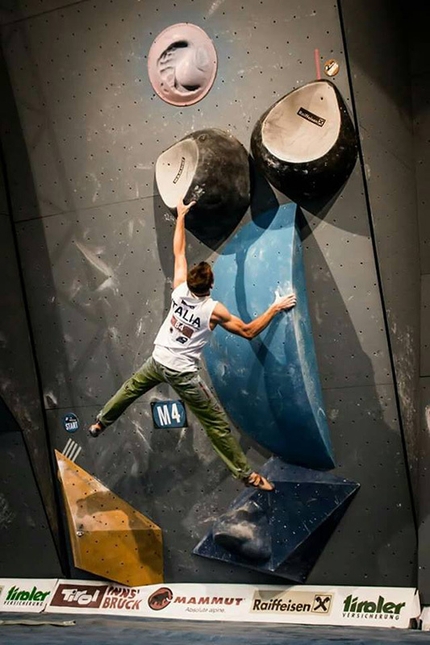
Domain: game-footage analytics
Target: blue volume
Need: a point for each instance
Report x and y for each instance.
(270, 386)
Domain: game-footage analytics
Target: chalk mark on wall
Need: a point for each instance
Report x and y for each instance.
(71, 450)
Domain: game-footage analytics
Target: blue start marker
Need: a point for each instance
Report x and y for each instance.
(70, 422)
(169, 414)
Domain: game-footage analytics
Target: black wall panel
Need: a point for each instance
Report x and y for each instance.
(377, 48)
(420, 76)
(27, 549)
(26, 467)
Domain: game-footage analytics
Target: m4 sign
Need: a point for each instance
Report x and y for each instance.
(169, 414)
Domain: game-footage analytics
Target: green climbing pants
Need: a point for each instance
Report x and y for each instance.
(200, 400)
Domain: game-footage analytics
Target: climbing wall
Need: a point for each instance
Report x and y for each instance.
(96, 256)
(421, 111)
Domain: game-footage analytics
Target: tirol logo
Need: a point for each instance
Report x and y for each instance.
(355, 607)
(160, 598)
(17, 596)
(69, 595)
(298, 602)
(97, 596)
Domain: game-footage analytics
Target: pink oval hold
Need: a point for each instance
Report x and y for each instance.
(182, 64)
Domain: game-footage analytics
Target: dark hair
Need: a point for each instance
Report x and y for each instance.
(200, 279)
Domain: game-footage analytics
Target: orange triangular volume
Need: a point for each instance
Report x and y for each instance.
(108, 536)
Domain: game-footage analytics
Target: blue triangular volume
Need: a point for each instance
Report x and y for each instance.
(280, 404)
(282, 532)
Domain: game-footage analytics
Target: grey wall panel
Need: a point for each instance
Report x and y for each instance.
(377, 48)
(424, 509)
(174, 477)
(90, 114)
(359, 395)
(12, 10)
(98, 264)
(425, 325)
(107, 265)
(421, 106)
(393, 204)
(374, 530)
(98, 293)
(346, 310)
(376, 42)
(99, 287)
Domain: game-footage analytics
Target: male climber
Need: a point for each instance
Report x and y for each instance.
(178, 345)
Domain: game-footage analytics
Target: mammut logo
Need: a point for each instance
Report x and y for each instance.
(208, 600)
(160, 598)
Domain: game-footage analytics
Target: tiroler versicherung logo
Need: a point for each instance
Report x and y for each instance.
(356, 607)
(24, 597)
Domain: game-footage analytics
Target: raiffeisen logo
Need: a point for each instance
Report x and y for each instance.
(297, 602)
(355, 607)
(17, 596)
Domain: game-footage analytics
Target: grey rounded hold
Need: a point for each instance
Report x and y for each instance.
(182, 64)
(305, 144)
(210, 167)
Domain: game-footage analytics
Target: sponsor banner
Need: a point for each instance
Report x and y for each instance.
(186, 601)
(425, 619)
(355, 606)
(385, 606)
(25, 594)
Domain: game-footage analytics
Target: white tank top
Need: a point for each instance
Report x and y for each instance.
(185, 331)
